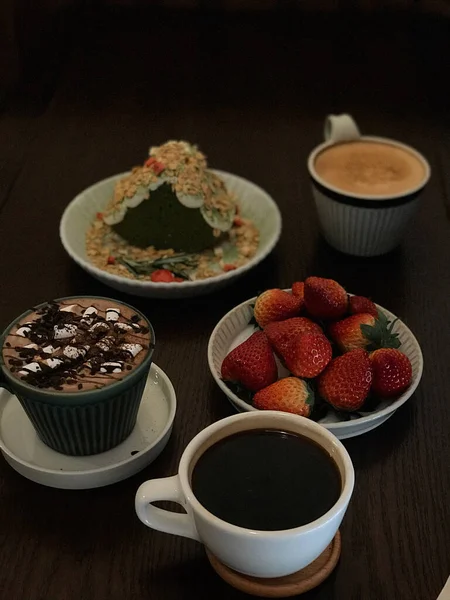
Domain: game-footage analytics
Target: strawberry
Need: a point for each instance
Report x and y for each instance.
(345, 383)
(275, 305)
(307, 354)
(229, 267)
(325, 298)
(347, 333)
(251, 364)
(298, 289)
(289, 395)
(364, 331)
(162, 275)
(361, 304)
(392, 372)
(281, 332)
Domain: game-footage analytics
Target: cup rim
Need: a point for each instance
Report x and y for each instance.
(252, 417)
(85, 395)
(381, 198)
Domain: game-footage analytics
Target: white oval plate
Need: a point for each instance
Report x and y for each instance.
(79, 215)
(30, 457)
(233, 329)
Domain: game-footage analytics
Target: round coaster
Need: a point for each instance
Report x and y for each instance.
(283, 587)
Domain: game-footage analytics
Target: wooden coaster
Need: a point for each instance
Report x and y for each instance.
(282, 587)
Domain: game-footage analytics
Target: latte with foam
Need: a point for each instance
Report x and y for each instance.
(370, 168)
(77, 344)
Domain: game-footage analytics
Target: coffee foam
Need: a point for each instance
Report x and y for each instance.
(370, 168)
(77, 344)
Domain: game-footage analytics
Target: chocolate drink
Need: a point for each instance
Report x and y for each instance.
(266, 479)
(370, 168)
(76, 345)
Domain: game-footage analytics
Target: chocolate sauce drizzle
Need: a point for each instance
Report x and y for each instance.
(68, 349)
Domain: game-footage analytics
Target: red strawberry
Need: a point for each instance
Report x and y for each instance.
(275, 305)
(325, 298)
(347, 333)
(361, 304)
(364, 331)
(392, 372)
(252, 363)
(307, 355)
(345, 383)
(162, 275)
(298, 289)
(289, 395)
(281, 332)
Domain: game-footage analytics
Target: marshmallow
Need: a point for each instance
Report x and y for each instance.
(99, 326)
(61, 333)
(90, 311)
(106, 343)
(22, 331)
(133, 349)
(73, 352)
(52, 363)
(49, 349)
(122, 327)
(33, 367)
(112, 314)
(33, 346)
(72, 308)
(117, 367)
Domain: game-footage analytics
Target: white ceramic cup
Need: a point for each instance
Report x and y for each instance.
(256, 553)
(362, 225)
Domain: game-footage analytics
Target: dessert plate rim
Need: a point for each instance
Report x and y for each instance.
(263, 202)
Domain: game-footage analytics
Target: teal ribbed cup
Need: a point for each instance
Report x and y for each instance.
(85, 422)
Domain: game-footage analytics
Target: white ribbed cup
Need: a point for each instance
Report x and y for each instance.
(362, 225)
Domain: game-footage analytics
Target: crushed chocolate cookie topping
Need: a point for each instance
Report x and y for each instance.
(63, 343)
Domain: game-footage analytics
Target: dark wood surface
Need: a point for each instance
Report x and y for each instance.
(252, 91)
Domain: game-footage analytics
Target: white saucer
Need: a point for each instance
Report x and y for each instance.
(30, 457)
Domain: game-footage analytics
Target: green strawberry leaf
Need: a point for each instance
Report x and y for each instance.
(311, 395)
(380, 334)
(180, 265)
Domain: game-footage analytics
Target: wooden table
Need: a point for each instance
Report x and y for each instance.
(252, 92)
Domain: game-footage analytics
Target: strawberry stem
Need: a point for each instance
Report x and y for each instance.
(380, 334)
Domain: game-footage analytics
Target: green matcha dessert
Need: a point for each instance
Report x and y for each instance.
(171, 220)
(172, 201)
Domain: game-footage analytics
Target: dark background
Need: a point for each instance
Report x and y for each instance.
(252, 88)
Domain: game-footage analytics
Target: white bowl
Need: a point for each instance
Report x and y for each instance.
(78, 216)
(234, 328)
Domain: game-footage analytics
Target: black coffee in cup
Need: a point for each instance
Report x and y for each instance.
(267, 480)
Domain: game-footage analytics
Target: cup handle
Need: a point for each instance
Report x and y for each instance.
(340, 128)
(163, 520)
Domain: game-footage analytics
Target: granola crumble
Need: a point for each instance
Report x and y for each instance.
(105, 248)
(181, 166)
